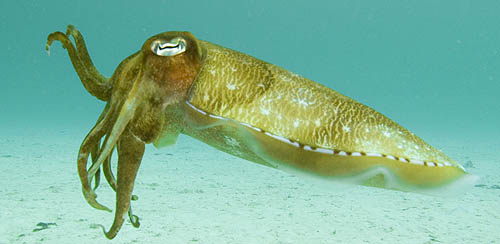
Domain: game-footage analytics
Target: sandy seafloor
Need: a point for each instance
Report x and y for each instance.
(431, 66)
(191, 193)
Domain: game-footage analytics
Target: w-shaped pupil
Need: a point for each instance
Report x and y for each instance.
(167, 46)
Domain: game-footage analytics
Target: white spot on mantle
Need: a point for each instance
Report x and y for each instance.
(264, 111)
(231, 86)
(317, 122)
(302, 101)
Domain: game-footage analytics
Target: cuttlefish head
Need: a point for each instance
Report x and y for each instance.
(141, 95)
(155, 79)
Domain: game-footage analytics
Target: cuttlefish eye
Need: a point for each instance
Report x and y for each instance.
(169, 48)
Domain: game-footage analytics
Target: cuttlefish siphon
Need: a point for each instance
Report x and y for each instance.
(243, 106)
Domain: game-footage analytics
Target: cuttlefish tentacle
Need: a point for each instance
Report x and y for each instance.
(110, 117)
(94, 151)
(129, 160)
(126, 114)
(95, 83)
(88, 144)
(113, 116)
(83, 53)
(108, 174)
(95, 162)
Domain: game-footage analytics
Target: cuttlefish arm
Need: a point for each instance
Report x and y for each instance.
(130, 157)
(95, 83)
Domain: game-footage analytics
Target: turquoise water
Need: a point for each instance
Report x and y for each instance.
(432, 66)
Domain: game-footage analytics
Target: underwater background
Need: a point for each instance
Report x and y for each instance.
(431, 66)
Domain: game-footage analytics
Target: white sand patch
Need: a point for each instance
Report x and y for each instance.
(191, 193)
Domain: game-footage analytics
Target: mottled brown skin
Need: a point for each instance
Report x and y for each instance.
(242, 106)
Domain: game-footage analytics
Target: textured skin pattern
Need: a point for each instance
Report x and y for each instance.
(242, 88)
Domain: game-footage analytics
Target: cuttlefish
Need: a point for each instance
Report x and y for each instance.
(245, 107)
